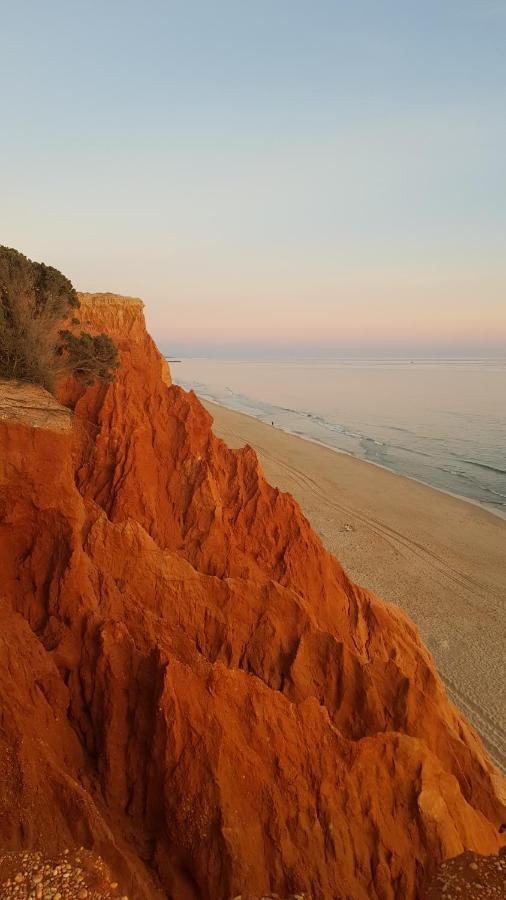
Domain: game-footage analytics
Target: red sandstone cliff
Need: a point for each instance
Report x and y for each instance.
(190, 684)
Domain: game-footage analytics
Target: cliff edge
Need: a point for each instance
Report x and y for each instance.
(191, 686)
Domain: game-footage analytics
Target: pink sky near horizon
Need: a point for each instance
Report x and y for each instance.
(379, 313)
(211, 304)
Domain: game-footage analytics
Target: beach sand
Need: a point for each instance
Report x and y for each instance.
(441, 559)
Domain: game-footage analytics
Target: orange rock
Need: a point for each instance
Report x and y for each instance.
(191, 686)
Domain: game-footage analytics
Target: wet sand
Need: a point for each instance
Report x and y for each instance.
(441, 558)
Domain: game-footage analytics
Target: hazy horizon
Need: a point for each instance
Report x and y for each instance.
(267, 175)
(323, 351)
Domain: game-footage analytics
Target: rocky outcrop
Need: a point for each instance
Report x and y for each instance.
(191, 686)
(122, 318)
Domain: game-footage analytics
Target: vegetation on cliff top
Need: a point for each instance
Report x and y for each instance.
(39, 340)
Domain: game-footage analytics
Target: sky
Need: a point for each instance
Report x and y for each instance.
(270, 177)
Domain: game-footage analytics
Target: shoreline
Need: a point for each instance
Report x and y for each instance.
(486, 507)
(440, 557)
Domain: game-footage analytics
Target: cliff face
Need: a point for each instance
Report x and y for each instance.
(191, 686)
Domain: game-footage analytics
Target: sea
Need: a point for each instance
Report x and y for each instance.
(440, 421)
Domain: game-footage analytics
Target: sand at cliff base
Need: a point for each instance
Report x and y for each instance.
(441, 558)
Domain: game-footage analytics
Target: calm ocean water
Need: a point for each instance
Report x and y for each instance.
(440, 421)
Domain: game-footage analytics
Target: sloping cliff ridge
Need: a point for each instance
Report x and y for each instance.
(191, 686)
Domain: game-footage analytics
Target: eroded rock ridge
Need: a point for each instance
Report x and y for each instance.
(191, 687)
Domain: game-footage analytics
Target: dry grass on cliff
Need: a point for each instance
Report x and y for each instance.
(27, 348)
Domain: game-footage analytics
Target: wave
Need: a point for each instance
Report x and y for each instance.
(480, 465)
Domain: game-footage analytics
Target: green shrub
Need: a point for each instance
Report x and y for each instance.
(89, 356)
(37, 304)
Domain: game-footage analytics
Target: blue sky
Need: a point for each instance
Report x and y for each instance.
(271, 174)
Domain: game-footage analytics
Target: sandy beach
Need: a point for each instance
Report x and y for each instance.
(441, 559)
